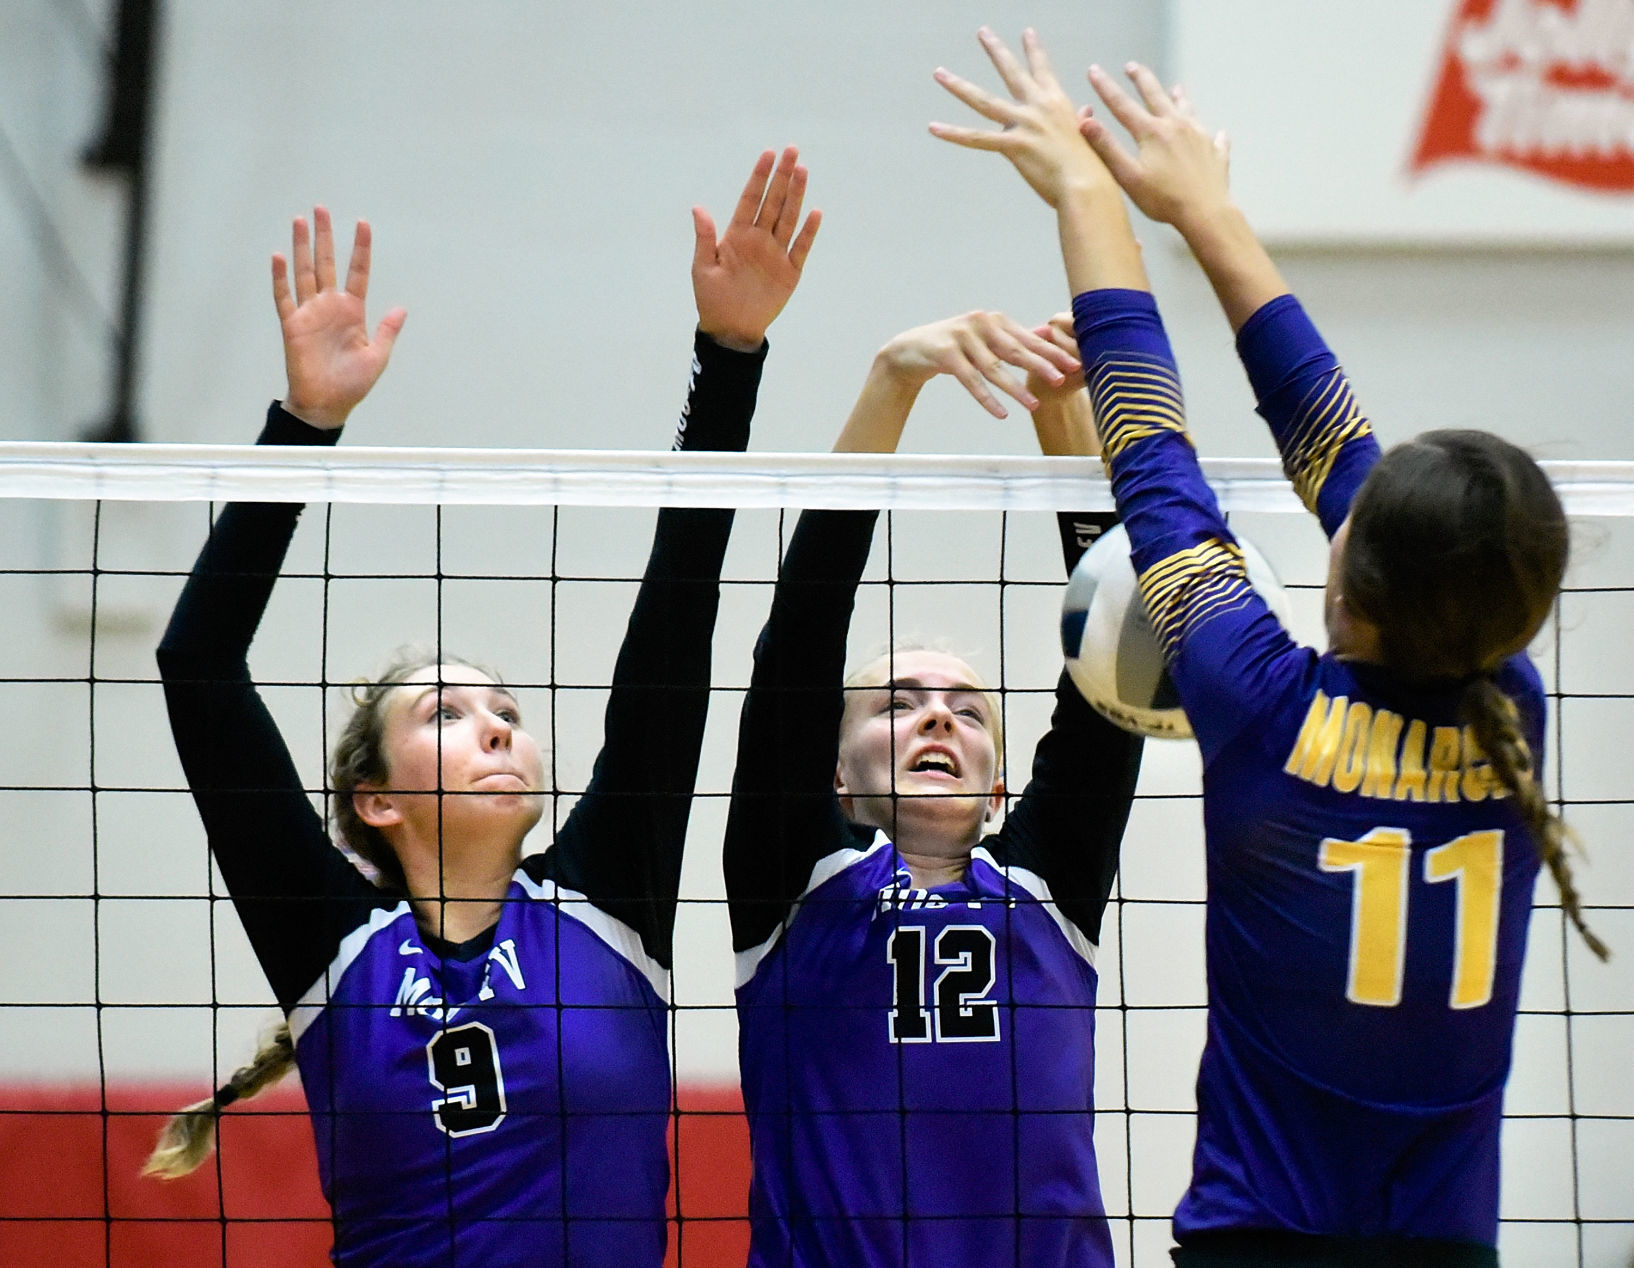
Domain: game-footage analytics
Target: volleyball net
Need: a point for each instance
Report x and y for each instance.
(132, 990)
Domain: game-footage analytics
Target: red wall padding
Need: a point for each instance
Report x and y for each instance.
(71, 1193)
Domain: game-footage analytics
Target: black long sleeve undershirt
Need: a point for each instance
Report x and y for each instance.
(296, 894)
(1067, 824)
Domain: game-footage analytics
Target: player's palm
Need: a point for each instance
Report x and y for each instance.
(748, 282)
(742, 280)
(328, 355)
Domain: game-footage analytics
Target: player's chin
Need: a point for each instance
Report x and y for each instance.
(522, 808)
(959, 813)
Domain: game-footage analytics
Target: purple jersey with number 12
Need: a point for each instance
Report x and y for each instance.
(918, 1065)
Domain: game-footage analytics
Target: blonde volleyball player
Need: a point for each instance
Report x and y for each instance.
(916, 992)
(482, 1037)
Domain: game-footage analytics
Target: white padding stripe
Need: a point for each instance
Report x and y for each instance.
(1039, 888)
(827, 867)
(623, 940)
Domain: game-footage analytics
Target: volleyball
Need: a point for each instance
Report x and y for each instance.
(1111, 649)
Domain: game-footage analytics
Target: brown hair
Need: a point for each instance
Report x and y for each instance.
(1456, 550)
(359, 758)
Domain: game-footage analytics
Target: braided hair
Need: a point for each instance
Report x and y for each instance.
(1456, 551)
(359, 757)
(187, 1139)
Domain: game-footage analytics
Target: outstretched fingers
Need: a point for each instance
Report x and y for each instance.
(1038, 61)
(1016, 77)
(282, 299)
(794, 198)
(1134, 117)
(800, 248)
(306, 284)
(385, 334)
(323, 248)
(1151, 89)
(977, 98)
(777, 192)
(357, 269)
(754, 190)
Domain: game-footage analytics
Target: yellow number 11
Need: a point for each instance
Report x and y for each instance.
(1378, 918)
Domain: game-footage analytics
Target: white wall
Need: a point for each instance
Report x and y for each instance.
(528, 169)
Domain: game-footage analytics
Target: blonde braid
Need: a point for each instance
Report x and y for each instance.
(1492, 716)
(188, 1138)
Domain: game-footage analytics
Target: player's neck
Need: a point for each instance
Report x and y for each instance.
(456, 920)
(929, 871)
(458, 888)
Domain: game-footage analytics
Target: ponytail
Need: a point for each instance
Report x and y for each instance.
(1491, 715)
(188, 1138)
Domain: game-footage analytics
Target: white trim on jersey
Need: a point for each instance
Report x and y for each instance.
(316, 998)
(826, 868)
(1039, 888)
(623, 940)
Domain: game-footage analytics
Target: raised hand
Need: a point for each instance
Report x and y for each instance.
(975, 349)
(1038, 123)
(330, 359)
(1058, 331)
(1063, 422)
(742, 281)
(1177, 170)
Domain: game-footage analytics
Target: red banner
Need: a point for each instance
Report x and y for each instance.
(1542, 85)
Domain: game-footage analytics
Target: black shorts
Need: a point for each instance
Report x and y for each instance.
(1276, 1249)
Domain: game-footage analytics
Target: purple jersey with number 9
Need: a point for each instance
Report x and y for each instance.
(528, 1084)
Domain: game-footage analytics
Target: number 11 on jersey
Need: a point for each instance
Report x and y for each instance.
(1380, 863)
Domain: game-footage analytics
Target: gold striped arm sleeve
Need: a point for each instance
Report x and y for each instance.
(1192, 587)
(1133, 398)
(1322, 425)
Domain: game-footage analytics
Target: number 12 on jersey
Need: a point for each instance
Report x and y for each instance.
(959, 1011)
(1380, 863)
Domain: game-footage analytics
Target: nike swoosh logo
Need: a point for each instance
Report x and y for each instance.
(407, 947)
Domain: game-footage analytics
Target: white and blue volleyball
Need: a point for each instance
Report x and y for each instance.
(1111, 649)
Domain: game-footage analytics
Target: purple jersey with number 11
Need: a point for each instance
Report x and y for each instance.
(1369, 880)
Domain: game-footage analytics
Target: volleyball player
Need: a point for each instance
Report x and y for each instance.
(916, 994)
(481, 1037)
(1373, 815)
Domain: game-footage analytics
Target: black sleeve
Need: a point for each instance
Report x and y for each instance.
(294, 891)
(621, 846)
(1068, 823)
(784, 814)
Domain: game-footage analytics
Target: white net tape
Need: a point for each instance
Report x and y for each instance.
(534, 477)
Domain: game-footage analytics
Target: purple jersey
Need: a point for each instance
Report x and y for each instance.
(918, 1065)
(500, 1093)
(921, 1067)
(1369, 881)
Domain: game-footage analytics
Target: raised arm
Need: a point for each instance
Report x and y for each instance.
(785, 815)
(295, 893)
(1178, 174)
(622, 845)
(1221, 641)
